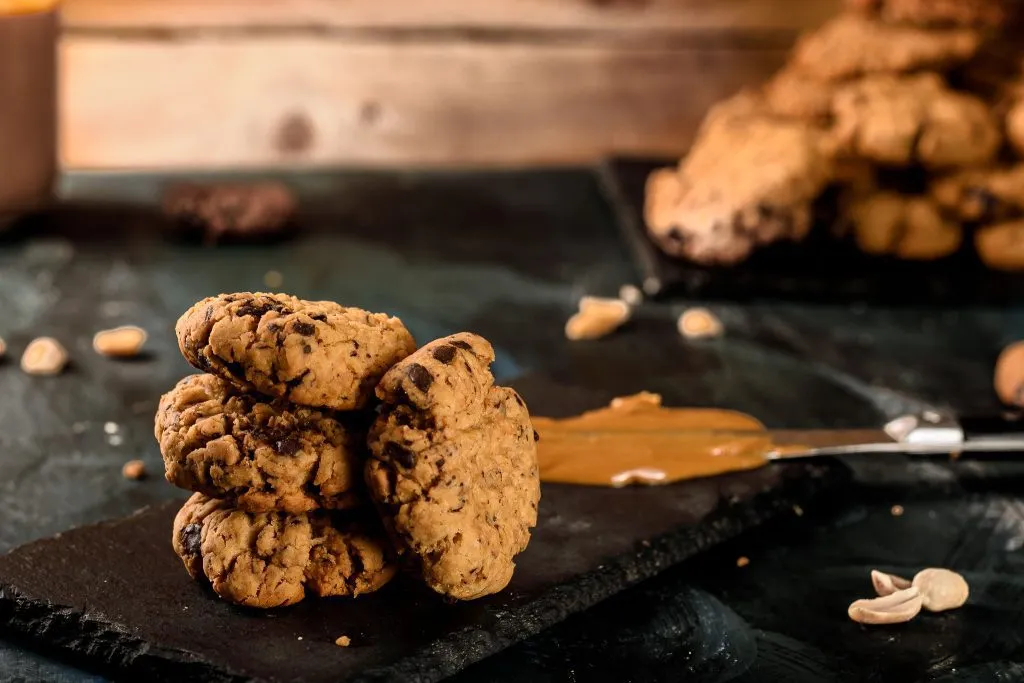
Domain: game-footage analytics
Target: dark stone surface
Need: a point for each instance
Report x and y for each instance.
(506, 255)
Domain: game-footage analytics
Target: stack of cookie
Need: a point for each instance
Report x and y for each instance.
(287, 450)
(873, 104)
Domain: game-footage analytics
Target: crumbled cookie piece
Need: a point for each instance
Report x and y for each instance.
(314, 353)
(596, 318)
(699, 323)
(982, 195)
(343, 641)
(453, 467)
(235, 209)
(908, 227)
(262, 454)
(990, 13)
(120, 342)
(272, 559)
(1009, 375)
(902, 121)
(44, 356)
(1001, 246)
(750, 179)
(852, 45)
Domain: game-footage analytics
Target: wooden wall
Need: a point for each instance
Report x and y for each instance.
(184, 83)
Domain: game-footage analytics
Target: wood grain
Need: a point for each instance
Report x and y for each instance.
(255, 101)
(615, 15)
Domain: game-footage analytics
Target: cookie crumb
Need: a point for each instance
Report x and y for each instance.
(742, 561)
(699, 323)
(273, 279)
(120, 342)
(44, 356)
(597, 317)
(134, 470)
(343, 641)
(631, 294)
(896, 510)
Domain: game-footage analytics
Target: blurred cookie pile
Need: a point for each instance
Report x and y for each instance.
(900, 121)
(324, 450)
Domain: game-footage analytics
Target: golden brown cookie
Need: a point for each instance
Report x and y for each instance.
(982, 196)
(750, 179)
(453, 468)
(990, 13)
(1001, 246)
(852, 45)
(906, 120)
(907, 227)
(313, 353)
(271, 559)
(262, 454)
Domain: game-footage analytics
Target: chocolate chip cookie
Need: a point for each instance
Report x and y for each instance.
(231, 209)
(907, 227)
(453, 467)
(271, 559)
(313, 353)
(983, 196)
(750, 179)
(989, 13)
(794, 94)
(262, 454)
(852, 45)
(900, 121)
(1001, 246)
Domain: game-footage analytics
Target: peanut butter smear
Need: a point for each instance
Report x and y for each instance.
(635, 440)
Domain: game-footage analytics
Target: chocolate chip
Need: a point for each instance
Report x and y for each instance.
(536, 436)
(274, 328)
(296, 381)
(319, 317)
(400, 454)
(420, 376)
(192, 538)
(306, 348)
(444, 354)
(288, 446)
(519, 400)
(235, 370)
(462, 345)
(305, 329)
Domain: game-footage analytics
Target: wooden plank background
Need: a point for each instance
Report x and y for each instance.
(215, 83)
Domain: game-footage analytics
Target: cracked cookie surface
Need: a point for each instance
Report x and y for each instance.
(271, 559)
(260, 453)
(313, 353)
(453, 467)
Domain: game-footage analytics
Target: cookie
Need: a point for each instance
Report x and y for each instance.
(272, 559)
(1001, 246)
(313, 353)
(1015, 127)
(982, 196)
(901, 121)
(231, 209)
(749, 180)
(990, 13)
(907, 227)
(793, 94)
(262, 454)
(453, 468)
(852, 45)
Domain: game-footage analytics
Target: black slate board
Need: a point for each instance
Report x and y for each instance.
(114, 596)
(821, 269)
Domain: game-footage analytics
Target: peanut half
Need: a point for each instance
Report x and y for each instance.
(887, 584)
(896, 608)
(120, 342)
(596, 318)
(44, 356)
(941, 589)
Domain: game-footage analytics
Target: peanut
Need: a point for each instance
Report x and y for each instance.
(899, 607)
(699, 323)
(120, 342)
(134, 469)
(887, 584)
(941, 589)
(44, 356)
(596, 318)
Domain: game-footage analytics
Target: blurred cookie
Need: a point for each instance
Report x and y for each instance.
(239, 210)
(749, 179)
(982, 196)
(1001, 246)
(907, 120)
(990, 13)
(791, 93)
(852, 45)
(906, 227)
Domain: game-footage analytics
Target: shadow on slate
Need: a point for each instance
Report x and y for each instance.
(113, 597)
(821, 269)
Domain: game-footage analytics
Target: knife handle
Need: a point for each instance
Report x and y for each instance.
(1008, 427)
